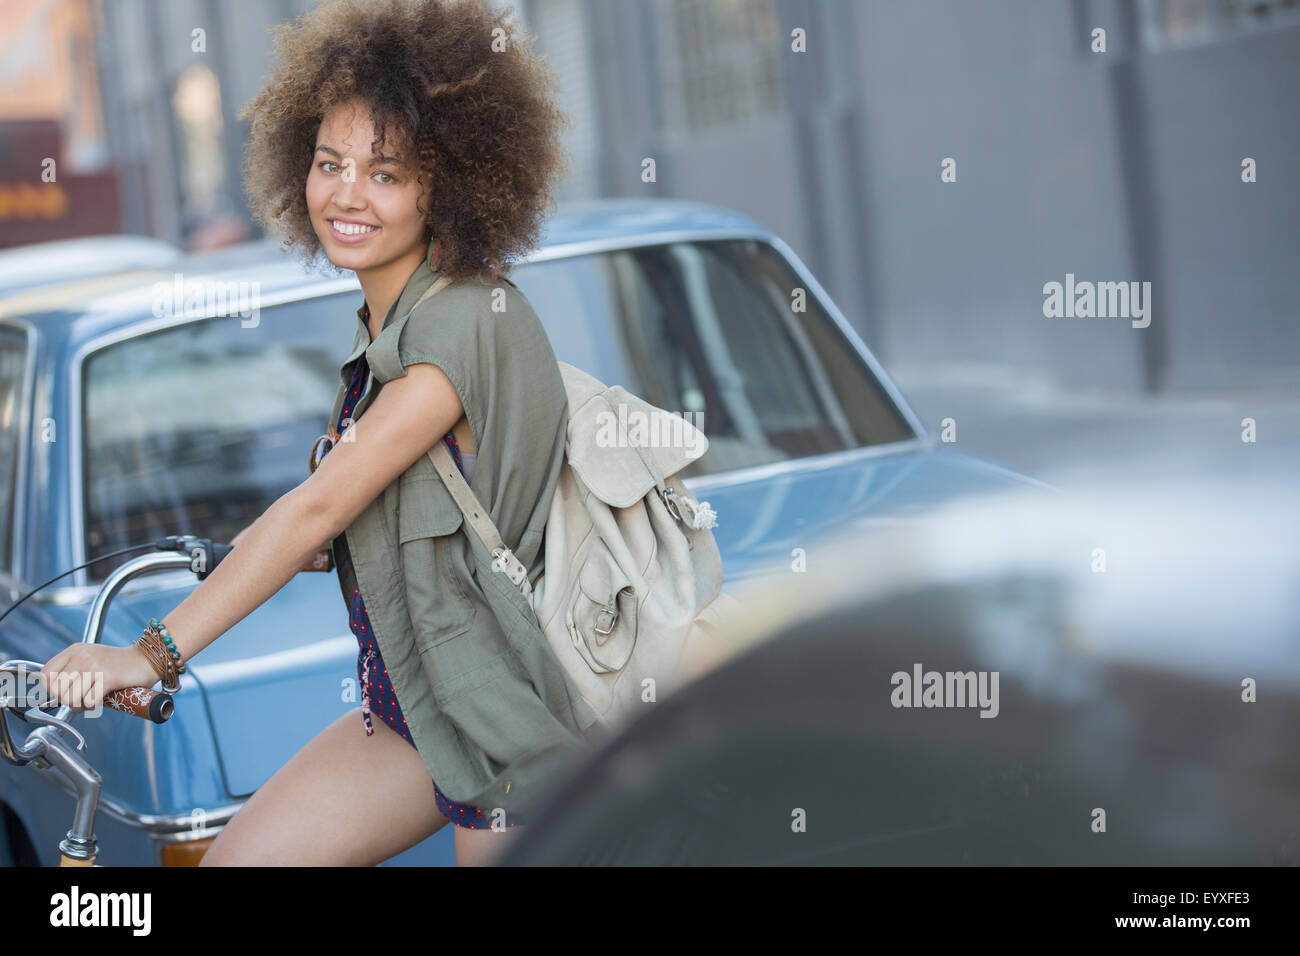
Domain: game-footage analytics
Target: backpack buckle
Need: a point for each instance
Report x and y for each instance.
(503, 559)
(668, 497)
(610, 614)
(699, 515)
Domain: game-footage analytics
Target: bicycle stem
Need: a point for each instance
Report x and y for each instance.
(79, 847)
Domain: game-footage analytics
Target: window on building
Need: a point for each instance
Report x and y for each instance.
(1179, 23)
(197, 104)
(722, 61)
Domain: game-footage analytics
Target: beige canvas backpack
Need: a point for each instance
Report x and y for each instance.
(630, 596)
(632, 576)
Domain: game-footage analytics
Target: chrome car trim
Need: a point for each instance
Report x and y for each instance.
(823, 462)
(27, 407)
(582, 247)
(156, 823)
(292, 660)
(11, 588)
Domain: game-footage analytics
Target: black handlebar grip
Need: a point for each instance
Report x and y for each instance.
(213, 553)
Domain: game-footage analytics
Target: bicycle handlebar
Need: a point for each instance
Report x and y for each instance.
(200, 555)
(47, 743)
(190, 551)
(157, 705)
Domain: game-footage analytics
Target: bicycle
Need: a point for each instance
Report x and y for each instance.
(52, 743)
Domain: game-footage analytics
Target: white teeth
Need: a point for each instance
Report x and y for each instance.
(351, 229)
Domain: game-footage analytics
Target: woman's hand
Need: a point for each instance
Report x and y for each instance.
(69, 677)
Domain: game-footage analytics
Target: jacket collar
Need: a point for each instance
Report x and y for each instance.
(384, 343)
(420, 280)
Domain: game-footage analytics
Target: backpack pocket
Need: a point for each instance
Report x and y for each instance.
(602, 614)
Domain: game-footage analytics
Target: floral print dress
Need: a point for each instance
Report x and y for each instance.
(377, 695)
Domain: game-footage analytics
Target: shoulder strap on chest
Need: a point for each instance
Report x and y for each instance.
(476, 516)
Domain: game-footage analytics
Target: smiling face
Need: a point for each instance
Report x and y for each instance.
(363, 207)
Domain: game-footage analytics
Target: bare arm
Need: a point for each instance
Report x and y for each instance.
(408, 416)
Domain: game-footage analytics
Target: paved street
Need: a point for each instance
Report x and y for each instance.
(1073, 437)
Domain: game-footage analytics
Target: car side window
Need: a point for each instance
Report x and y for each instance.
(13, 359)
(722, 333)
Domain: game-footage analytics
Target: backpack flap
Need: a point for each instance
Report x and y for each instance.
(621, 446)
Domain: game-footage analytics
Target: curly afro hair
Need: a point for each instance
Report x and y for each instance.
(466, 100)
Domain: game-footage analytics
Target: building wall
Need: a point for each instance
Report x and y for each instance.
(1228, 249)
(1122, 166)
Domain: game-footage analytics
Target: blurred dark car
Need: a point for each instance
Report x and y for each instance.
(1145, 710)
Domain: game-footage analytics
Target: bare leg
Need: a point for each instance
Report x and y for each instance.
(345, 799)
(482, 847)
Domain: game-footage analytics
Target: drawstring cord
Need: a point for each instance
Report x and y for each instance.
(365, 690)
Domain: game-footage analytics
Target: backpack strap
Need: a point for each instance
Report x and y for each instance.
(438, 285)
(476, 516)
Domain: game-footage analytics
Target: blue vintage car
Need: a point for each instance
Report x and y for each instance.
(124, 419)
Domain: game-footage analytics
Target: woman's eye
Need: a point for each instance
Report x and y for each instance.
(324, 163)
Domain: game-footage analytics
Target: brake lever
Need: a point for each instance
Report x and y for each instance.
(35, 715)
(203, 552)
(32, 715)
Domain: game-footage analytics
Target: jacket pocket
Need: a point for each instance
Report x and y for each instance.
(425, 508)
(602, 613)
(428, 522)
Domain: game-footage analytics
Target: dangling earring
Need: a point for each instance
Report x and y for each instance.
(435, 250)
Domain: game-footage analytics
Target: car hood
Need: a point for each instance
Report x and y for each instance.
(762, 519)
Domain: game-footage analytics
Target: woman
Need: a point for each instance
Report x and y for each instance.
(410, 140)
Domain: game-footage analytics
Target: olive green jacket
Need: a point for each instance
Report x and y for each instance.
(487, 703)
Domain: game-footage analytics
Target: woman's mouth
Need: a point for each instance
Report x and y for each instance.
(351, 233)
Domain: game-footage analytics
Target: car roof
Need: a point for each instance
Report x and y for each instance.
(105, 304)
(44, 263)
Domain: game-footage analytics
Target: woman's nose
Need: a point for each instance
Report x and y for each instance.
(348, 193)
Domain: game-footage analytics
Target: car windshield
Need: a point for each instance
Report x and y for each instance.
(199, 428)
(724, 334)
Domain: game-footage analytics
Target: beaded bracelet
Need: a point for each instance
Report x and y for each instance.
(160, 656)
(160, 650)
(157, 660)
